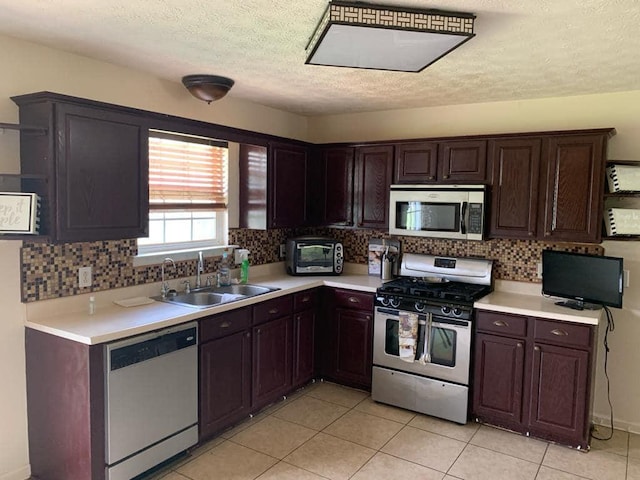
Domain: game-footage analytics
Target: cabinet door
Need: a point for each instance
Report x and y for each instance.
(463, 161)
(573, 189)
(499, 379)
(304, 324)
(353, 347)
(225, 382)
(515, 164)
(287, 186)
(416, 163)
(271, 361)
(102, 174)
(338, 179)
(374, 170)
(559, 393)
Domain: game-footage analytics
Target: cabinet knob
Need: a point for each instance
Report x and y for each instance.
(431, 178)
(531, 234)
(368, 317)
(273, 311)
(519, 345)
(354, 300)
(258, 331)
(445, 176)
(248, 335)
(536, 348)
(305, 299)
(500, 323)
(225, 324)
(559, 332)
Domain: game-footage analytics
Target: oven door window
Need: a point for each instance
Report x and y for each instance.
(315, 255)
(443, 342)
(436, 217)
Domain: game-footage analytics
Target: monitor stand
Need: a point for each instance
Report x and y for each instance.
(578, 305)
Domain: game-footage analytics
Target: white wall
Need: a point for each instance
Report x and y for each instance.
(30, 68)
(619, 110)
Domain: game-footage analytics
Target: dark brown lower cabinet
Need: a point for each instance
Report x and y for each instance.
(225, 370)
(534, 375)
(348, 357)
(304, 337)
(271, 361)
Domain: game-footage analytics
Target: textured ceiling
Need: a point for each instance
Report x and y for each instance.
(522, 49)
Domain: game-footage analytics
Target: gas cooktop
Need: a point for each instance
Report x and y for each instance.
(423, 289)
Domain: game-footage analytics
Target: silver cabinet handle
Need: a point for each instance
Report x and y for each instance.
(273, 311)
(225, 324)
(559, 332)
(354, 300)
(536, 348)
(500, 323)
(305, 299)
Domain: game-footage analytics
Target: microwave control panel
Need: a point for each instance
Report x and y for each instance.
(475, 218)
(338, 258)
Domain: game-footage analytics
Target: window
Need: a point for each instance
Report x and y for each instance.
(187, 193)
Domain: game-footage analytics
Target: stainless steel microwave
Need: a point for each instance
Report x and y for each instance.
(311, 255)
(439, 211)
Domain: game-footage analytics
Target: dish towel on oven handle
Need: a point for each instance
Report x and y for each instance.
(407, 336)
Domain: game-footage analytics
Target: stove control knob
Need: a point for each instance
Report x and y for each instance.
(419, 306)
(446, 310)
(395, 302)
(457, 312)
(384, 301)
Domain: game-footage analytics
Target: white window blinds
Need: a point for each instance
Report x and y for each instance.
(186, 172)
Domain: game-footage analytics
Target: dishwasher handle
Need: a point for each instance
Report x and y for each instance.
(151, 348)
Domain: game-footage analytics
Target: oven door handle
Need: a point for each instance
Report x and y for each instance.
(426, 354)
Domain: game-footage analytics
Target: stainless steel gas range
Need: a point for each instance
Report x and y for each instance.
(423, 334)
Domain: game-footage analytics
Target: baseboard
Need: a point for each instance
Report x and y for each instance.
(605, 421)
(22, 473)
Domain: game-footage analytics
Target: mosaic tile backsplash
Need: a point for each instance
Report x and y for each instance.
(51, 271)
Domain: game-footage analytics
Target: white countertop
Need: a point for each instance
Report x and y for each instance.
(535, 306)
(112, 322)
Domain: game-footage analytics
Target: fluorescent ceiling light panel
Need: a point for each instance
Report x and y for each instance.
(386, 38)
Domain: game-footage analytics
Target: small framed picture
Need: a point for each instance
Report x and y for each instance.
(19, 213)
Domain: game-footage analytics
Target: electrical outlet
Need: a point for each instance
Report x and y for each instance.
(283, 251)
(84, 277)
(539, 270)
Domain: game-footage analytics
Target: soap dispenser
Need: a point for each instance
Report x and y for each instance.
(244, 266)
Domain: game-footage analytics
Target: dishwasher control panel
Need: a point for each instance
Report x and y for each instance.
(154, 347)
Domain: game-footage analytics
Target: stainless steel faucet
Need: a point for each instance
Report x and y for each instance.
(200, 269)
(164, 289)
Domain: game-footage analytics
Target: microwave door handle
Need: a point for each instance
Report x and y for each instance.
(463, 218)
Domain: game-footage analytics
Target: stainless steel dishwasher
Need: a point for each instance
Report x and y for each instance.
(151, 399)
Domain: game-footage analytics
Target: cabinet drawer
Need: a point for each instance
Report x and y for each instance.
(276, 308)
(353, 300)
(305, 300)
(224, 324)
(501, 323)
(563, 333)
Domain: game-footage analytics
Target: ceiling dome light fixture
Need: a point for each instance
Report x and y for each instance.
(378, 37)
(208, 88)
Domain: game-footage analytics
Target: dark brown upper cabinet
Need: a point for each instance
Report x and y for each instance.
(572, 188)
(96, 160)
(451, 161)
(373, 174)
(416, 163)
(515, 164)
(463, 161)
(337, 171)
(273, 186)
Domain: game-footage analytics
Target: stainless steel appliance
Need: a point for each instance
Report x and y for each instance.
(441, 211)
(311, 255)
(437, 293)
(151, 399)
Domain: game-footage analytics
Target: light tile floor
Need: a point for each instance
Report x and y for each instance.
(326, 431)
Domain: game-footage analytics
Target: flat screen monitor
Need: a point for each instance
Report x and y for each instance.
(586, 281)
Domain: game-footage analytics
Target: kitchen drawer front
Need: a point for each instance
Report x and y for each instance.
(563, 333)
(276, 308)
(353, 300)
(224, 324)
(305, 300)
(501, 323)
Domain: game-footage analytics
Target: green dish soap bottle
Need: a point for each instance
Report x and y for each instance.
(244, 267)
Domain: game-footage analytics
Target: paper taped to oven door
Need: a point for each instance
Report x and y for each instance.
(407, 336)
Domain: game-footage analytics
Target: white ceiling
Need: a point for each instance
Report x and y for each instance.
(522, 49)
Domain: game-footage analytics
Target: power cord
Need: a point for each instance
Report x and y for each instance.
(610, 328)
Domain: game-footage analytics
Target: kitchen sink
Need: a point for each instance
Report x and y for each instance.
(212, 296)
